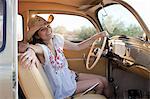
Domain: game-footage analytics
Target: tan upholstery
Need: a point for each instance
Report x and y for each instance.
(34, 84)
(91, 96)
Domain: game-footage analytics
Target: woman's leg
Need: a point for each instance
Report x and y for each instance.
(83, 85)
(103, 80)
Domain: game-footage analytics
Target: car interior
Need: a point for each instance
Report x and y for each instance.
(123, 57)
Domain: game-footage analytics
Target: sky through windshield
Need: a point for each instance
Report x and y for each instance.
(142, 7)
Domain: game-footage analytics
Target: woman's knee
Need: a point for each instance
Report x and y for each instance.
(100, 85)
(104, 80)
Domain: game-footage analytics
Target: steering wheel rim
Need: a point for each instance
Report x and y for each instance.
(99, 53)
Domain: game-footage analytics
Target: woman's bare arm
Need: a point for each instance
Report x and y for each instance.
(84, 44)
(24, 46)
(37, 49)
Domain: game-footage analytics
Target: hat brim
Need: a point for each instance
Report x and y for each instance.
(32, 31)
(50, 18)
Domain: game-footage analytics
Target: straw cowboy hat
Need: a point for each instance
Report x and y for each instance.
(35, 23)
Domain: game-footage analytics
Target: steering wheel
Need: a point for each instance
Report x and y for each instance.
(95, 52)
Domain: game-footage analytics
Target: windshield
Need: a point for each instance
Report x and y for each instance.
(117, 20)
(142, 7)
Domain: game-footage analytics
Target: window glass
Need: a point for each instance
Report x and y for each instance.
(142, 8)
(19, 28)
(2, 25)
(117, 20)
(73, 28)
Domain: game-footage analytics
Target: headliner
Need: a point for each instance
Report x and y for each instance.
(75, 3)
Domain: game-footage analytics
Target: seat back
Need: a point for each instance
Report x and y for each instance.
(34, 82)
(35, 85)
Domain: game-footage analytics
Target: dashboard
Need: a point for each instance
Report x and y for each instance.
(130, 54)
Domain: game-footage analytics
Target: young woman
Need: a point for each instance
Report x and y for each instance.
(49, 49)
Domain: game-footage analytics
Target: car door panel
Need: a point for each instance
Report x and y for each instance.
(77, 60)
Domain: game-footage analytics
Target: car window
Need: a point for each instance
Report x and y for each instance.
(2, 24)
(117, 20)
(72, 27)
(139, 5)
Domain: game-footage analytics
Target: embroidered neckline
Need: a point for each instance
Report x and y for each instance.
(56, 61)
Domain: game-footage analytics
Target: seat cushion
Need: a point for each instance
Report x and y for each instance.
(91, 96)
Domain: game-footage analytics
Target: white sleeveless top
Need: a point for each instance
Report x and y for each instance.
(61, 78)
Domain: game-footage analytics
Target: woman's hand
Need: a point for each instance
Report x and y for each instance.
(100, 35)
(104, 34)
(29, 58)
